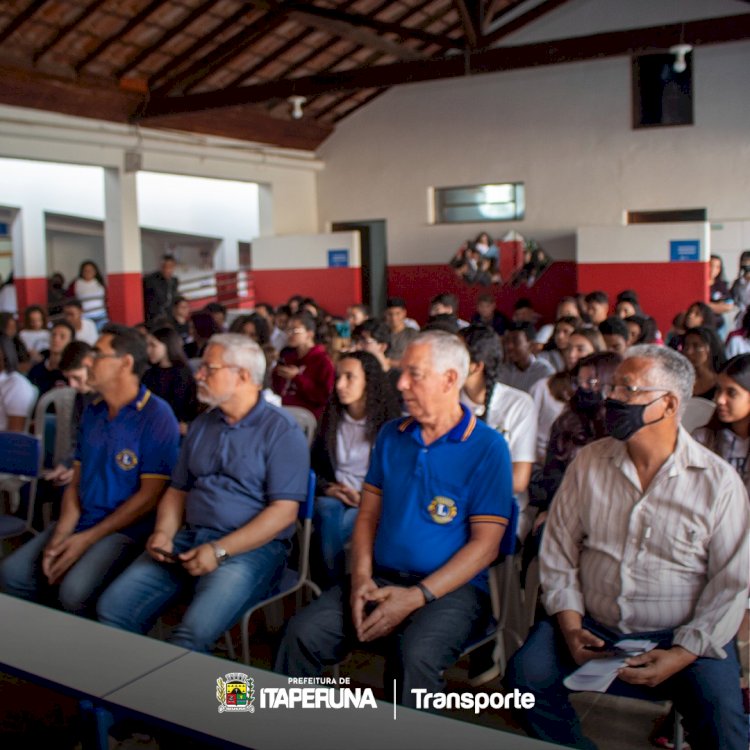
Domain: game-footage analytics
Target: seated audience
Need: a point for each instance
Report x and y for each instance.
(581, 423)
(77, 358)
(704, 351)
(487, 314)
(508, 410)
(35, 334)
(373, 337)
(9, 328)
(521, 368)
(554, 350)
(223, 527)
(738, 342)
(435, 503)
(700, 314)
(280, 321)
(356, 315)
(551, 395)
(55, 295)
(124, 458)
(446, 304)
(596, 305)
(46, 375)
(169, 376)
(253, 325)
(304, 375)
(612, 567)
(401, 334)
(89, 289)
(442, 322)
(642, 330)
(615, 332)
(568, 307)
(361, 403)
(83, 328)
(203, 326)
(17, 395)
(180, 319)
(219, 313)
(627, 304)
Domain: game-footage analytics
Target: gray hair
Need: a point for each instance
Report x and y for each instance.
(448, 353)
(241, 351)
(672, 370)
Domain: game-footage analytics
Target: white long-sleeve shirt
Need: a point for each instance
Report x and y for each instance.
(674, 557)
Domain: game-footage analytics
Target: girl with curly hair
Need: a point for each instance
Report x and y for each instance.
(362, 401)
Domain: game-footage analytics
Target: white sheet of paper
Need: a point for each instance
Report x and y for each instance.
(598, 674)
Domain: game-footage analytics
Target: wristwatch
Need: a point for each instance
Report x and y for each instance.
(221, 554)
(428, 595)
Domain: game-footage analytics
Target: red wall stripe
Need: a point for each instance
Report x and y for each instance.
(125, 298)
(333, 288)
(664, 289)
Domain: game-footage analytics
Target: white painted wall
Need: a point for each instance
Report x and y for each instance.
(304, 251)
(639, 243)
(82, 147)
(565, 131)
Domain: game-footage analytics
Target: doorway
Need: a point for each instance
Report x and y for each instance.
(374, 250)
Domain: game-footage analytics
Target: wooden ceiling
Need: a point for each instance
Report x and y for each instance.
(228, 67)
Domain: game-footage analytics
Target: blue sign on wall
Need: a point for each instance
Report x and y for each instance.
(338, 259)
(680, 250)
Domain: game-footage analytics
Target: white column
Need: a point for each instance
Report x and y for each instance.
(28, 239)
(122, 236)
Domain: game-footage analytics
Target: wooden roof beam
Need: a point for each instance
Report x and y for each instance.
(609, 44)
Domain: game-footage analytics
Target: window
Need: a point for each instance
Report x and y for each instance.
(662, 95)
(480, 203)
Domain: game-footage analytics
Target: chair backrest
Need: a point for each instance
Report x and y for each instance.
(305, 419)
(20, 454)
(698, 411)
(63, 400)
(30, 413)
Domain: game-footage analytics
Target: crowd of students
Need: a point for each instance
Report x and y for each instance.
(541, 385)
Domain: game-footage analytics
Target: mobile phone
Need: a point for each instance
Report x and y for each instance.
(173, 556)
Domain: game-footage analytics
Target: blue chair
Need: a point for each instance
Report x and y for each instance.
(21, 464)
(292, 580)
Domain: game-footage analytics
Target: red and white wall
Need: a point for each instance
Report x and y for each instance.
(305, 264)
(640, 257)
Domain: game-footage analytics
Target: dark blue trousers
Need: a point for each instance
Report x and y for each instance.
(706, 693)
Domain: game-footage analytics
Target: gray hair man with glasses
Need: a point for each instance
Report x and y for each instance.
(223, 528)
(647, 538)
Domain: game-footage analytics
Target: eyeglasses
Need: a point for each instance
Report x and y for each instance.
(626, 392)
(211, 369)
(298, 329)
(96, 355)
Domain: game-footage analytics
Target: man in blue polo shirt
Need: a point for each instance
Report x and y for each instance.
(127, 447)
(436, 501)
(223, 528)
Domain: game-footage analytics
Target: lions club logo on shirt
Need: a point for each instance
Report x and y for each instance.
(442, 509)
(126, 460)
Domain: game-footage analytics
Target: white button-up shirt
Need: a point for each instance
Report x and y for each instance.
(674, 557)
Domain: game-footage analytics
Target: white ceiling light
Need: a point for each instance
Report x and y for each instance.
(296, 103)
(679, 51)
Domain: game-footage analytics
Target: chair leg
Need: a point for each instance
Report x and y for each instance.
(230, 645)
(679, 733)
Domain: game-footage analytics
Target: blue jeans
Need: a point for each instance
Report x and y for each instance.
(21, 573)
(706, 693)
(428, 642)
(218, 600)
(334, 523)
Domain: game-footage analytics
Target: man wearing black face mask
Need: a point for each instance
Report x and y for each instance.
(647, 538)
